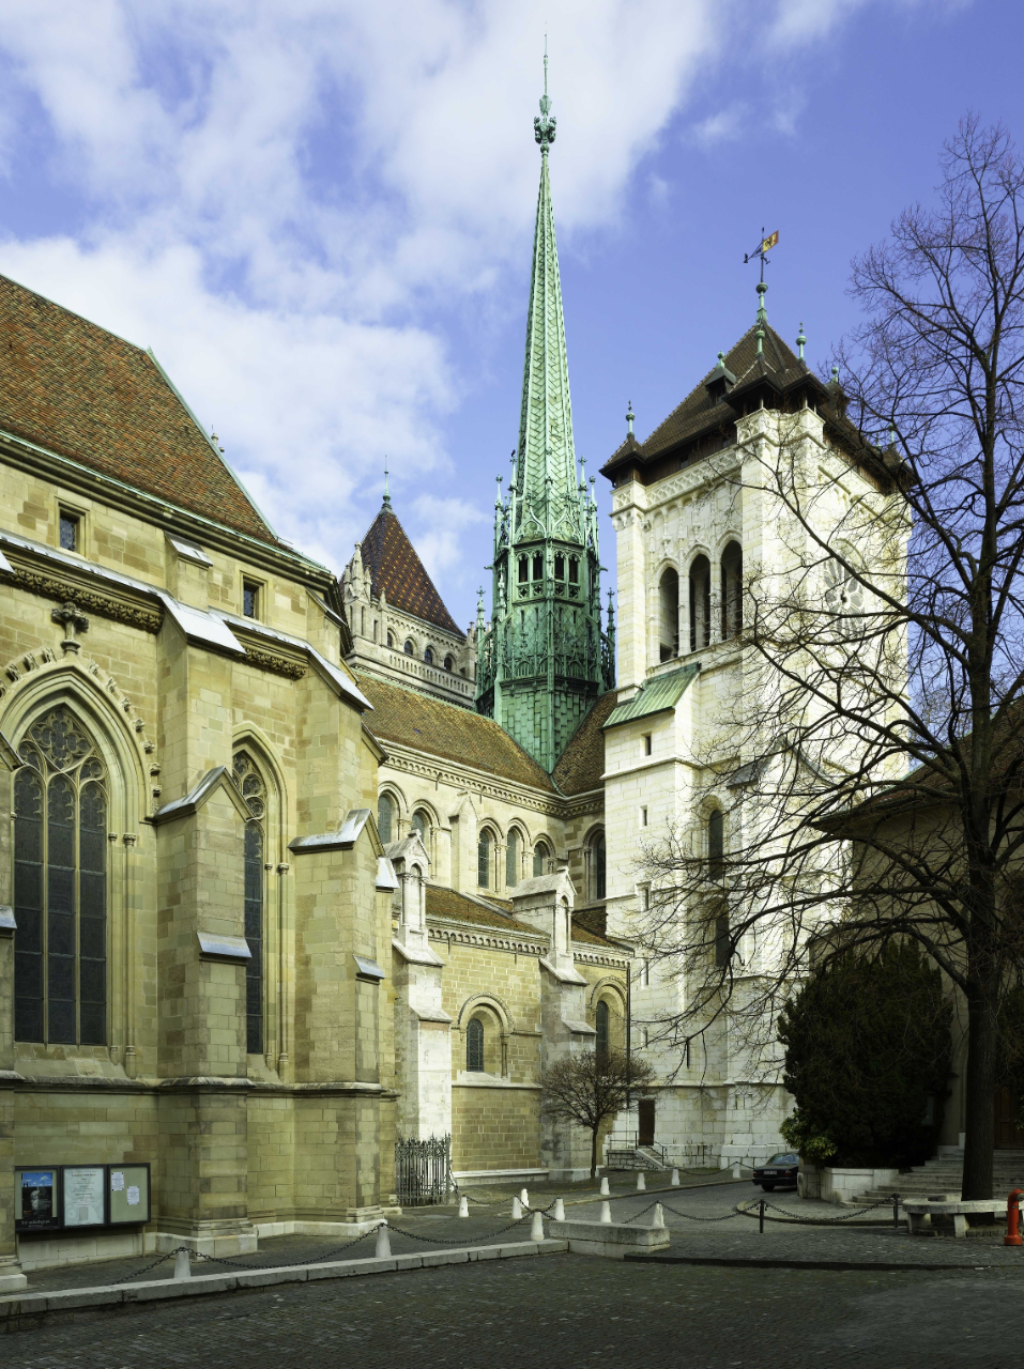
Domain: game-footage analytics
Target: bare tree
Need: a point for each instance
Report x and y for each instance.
(872, 781)
(588, 1089)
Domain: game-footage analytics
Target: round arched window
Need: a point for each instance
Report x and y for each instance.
(483, 859)
(475, 1045)
(409, 649)
(428, 655)
(387, 815)
(449, 663)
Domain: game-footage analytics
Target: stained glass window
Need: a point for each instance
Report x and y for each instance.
(60, 885)
(475, 1045)
(483, 860)
(602, 1023)
(254, 792)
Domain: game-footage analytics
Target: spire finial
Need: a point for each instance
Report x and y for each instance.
(762, 312)
(801, 341)
(544, 127)
(630, 415)
(387, 496)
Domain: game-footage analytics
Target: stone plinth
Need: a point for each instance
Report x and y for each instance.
(945, 1216)
(612, 1240)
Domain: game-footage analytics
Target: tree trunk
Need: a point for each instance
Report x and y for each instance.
(979, 1140)
(593, 1152)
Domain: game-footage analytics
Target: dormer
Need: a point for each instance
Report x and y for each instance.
(720, 381)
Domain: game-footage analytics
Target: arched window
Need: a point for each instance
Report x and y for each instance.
(560, 567)
(409, 649)
(700, 603)
(391, 640)
(428, 655)
(60, 886)
(574, 571)
(483, 859)
(732, 591)
(475, 1045)
(716, 844)
(449, 663)
(254, 791)
(538, 566)
(386, 818)
(512, 859)
(668, 595)
(602, 1023)
(422, 824)
(597, 866)
(524, 570)
(541, 858)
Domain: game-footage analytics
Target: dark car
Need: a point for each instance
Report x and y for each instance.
(778, 1172)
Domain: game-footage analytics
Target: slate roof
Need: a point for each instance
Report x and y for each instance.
(448, 732)
(448, 903)
(396, 569)
(581, 764)
(71, 387)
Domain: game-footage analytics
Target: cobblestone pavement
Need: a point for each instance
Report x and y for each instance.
(563, 1311)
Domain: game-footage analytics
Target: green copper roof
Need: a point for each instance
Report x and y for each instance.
(548, 499)
(656, 696)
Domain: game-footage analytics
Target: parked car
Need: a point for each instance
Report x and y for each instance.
(778, 1172)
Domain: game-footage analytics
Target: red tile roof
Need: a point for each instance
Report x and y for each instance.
(581, 764)
(73, 388)
(396, 569)
(447, 731)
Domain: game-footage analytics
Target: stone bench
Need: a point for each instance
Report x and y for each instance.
(609, 1239)
(944, 1212)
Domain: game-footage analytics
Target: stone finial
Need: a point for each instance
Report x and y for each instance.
(801, 341)
(71, 621)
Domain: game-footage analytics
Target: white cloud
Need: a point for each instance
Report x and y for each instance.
(284, 197)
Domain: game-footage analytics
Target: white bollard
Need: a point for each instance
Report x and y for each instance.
(605, 1190)
(537, 1227)
(463, 1206)
(524, 1197)
(675, 1178)
(659, 1217)
(517, 1209)
(383, 1250)
(606, 1213)
(182, 1264)
(641, 1183)
(559, 1210)
(736, 1172)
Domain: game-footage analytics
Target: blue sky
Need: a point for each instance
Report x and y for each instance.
(319, 214)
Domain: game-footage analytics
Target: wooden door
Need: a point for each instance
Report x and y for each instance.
(645, 1121)
(1008, 1135)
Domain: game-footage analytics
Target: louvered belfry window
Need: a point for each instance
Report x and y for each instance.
(60, 885)
(254, 792)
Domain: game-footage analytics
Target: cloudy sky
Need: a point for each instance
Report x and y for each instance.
(318, 213)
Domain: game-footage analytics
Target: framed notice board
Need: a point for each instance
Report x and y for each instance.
(37, 1198)
(83, 1189)
(127, 1194)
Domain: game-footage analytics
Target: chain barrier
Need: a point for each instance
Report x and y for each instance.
(290, 1264)
(458, 1240)
(828, 1221)
(159, 1260)
(691, 1218)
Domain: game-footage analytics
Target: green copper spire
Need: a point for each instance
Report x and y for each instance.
(544, 660)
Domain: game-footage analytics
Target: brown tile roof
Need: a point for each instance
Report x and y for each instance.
(443, 902)
(447, 731)
(70, 386)
(581, 764)
(396, 569)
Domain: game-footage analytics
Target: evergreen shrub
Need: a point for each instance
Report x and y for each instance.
(868, 1049)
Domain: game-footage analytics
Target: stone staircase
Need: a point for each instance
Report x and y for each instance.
(649, 1158)
(944, 1174)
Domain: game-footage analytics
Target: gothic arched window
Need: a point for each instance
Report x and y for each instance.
(700, 603)
(716, 844)
(603, 1034)
(484, 845)
(254, 792)
(386, 816)
(668, 596)
(475, 1045)
(597, 866)
(732, 591)
(541, 858)
(60, 885)
(512, 859)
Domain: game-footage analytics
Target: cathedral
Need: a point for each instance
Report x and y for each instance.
(293, 867)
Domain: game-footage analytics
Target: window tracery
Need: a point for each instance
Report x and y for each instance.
(254, 791)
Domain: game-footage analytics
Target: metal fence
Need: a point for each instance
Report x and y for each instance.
(423, 1171)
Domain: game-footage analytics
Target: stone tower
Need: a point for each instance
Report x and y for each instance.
(545, 659)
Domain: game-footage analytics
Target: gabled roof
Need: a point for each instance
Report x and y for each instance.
(73, 388)
(396, 569)
(452, 733)
(444, 902)
(581, 765)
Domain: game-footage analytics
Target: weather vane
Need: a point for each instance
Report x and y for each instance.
(761, 250)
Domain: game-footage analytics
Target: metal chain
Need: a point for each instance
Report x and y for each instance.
(691, 1218)
(289, 1264)
(458, 1240)
(159, 1260)
(826, 1221)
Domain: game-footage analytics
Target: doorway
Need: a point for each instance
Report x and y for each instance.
(645, 1122)
(1008, 1136)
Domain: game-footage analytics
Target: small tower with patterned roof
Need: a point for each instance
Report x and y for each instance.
(545, 659)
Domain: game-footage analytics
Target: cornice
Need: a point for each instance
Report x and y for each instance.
(460, 776)
(459, 933)
(64, 470)
(119, 606)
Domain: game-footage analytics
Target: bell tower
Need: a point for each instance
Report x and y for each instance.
(545, 659)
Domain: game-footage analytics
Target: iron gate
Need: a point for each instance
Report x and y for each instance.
(423, 1171)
